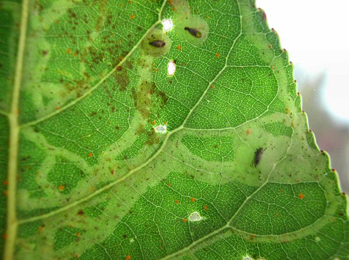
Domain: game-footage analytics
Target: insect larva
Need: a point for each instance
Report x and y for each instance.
(258, 156)
(196, 33)
(158, 43)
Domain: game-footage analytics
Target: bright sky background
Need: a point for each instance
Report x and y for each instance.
(316, 35)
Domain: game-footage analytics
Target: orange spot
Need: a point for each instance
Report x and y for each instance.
(58, 108)
(121, 58)
(78, 234)
(177, 201)
(61, 187)
(130, 1)
(212, 86)
(248, 131)
(41, 229)
(5, 192)
(4, 236)
(128, 257)
(192, 199)
(92, 189)
(179, 47)
(205, 207)
(5, 182)
(68, 51)
(89, 154)
(301, 196)
(184, 220)
(174, 9)
(121, 4)
(165, 123)
(169, 184)
(170, 2)
(75, 54)
(78, 256)
(218, 55)
(132, 16)
(287, 111)
(207, 17)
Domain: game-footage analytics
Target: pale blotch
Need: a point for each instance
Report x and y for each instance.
(317, 239)
(167, 25)
(195, 216)
(161, 129)
(171, 68)
(247, 257)
(132, 240)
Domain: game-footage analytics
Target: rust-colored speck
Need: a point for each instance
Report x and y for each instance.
(121, 58)
(41, 229)
(170, 2)
(5, 182)
(301, 196)
(192, 199)
(205, 207)
(132, 16)
(119, 68)
(90, 155)
(218, 55)
(5, 192)
(130, 1)
(61, 187)
(78, 234)
(169, 184)
(287, 111)
(207, 17)
(77, 256)
(177, 201)
(128, 257)
(179, 47)
(68, 51)
(121, 4)
(333, 170)
(154, 122)
(4, 236)
(58, 108)
(184, 220)
(212, 86)
(248, 131)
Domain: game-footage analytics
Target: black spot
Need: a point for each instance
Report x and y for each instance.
(196, 33)
(158, 43)
(258, 156)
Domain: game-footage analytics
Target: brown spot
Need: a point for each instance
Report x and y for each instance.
(78, 234)
(301, 196)
(192, 199)
(61, 188)
(5, 182)
(68, 51)
(132, 16)
(80, 212)
(90, 155)
(5, 192)
(184, 220)
(41, 229)
(248, 131)
(169, 184)
(4, 236)
(212, 86)
(44, 53)
(177, 201)
(119, 68)
(205, 207)
(218, 55)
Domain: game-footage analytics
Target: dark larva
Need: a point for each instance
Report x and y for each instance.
(258, 156)
(157, 43)
(196, 33)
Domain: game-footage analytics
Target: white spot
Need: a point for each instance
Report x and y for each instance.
(132, 240)
(171, 68)
(247, 257)
(161, 129)
(195, 216)
(317, 239)
(167, 25)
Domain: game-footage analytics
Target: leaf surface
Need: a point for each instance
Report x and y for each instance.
(104, 155)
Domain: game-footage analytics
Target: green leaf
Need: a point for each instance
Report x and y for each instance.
(103, 155)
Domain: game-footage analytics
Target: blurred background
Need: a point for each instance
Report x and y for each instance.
(315, 33)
